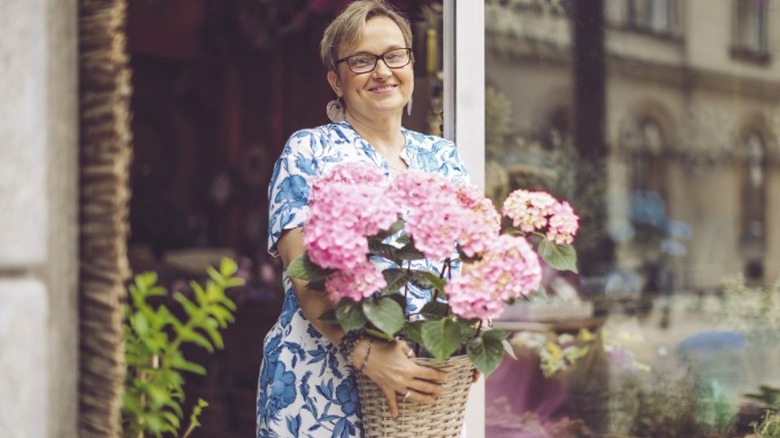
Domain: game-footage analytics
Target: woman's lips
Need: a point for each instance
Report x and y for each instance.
(382, 88)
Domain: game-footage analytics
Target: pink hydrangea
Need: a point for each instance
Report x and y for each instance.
(415, 188)
(509, 269)
(529, 210)
(433, 212)
(356, 173)
(435, 228)
(563, 224)
(335, 235)
(356, 284)
(480, 225)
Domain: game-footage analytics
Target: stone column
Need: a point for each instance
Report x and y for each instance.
(38, 220)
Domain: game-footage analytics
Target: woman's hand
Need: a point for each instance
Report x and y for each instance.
(390, 367)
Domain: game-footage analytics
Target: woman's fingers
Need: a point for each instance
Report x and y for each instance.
(426, 387)
(431, 374)
(421, 397)
(391, 403)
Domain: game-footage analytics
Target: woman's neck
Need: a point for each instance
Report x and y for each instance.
(383, 134)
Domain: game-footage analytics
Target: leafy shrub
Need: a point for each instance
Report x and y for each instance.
(154, 336)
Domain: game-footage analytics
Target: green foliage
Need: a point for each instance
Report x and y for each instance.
(154, 336)
(769, 427)
(561, 257)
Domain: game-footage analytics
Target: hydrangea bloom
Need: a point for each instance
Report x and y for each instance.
(348, 173)
(357, 284)
(539, 211)
(509, 269)
(563, 224)
(433, 211)
(336, 233)
(529, 210)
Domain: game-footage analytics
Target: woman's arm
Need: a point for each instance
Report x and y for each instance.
(313, 302)
(386, 363)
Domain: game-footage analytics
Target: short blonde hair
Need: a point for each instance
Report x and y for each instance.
(347, 27)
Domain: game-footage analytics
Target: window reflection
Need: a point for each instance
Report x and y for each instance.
(690, 179)
(750, 26)
(658, 16)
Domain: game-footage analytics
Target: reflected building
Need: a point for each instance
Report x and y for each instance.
(692, 127)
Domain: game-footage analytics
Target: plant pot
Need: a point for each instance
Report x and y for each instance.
(444, 419)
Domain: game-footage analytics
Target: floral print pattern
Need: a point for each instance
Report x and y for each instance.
(305, 387)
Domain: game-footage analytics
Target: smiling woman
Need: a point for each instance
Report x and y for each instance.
(307, 378)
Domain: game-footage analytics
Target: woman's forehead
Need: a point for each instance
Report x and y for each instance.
(380, 33)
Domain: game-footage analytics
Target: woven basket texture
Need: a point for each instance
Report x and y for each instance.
(444, 419)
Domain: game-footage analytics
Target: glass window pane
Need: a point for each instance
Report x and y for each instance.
(669, 150)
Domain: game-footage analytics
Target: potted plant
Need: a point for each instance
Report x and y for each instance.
(357, 218)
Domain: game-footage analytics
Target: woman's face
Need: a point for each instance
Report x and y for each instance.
(382, 92)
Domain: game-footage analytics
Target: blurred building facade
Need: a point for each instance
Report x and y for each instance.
(692, 126)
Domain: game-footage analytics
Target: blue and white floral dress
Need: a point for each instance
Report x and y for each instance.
(306, 388)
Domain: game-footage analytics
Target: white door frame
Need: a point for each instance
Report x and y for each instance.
(464, 122)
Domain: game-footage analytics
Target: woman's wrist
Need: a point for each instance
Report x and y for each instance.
(356, 349)
(349, 343)
(366, 354)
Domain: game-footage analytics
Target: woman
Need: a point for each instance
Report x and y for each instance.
(306, 385)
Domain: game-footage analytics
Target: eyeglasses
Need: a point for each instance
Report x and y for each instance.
(366, 62)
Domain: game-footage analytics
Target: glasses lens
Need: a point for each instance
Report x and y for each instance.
(397, 58)
(361, 63)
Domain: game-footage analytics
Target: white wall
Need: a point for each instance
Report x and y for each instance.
(38, 223)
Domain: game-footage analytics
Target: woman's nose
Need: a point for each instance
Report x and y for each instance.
(381, 70)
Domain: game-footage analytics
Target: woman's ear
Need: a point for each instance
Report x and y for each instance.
(334, 82)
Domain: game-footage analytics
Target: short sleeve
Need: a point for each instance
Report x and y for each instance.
(288, 191)
(452, 165)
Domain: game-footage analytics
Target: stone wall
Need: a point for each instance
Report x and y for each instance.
(38, 223)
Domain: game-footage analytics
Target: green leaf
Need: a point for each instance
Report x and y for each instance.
(379, 334)
(191, 367)
(441, 338)
(228, 267)
(385, 314)
(186, 303)
(487, 350)
(396, 279)
(384, 234)
(429, 280)
(561, 257)
(434, 310)
(398, 298)
(140, 324)
(413, 331)
(297, 268)
(304, 269)
(350, 315)
(171, 419)
(329, 316)
(189, 335)
(215, 275)
(385, 250)
(409, 252)
(508, 349)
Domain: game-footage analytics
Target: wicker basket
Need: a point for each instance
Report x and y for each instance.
(441, 420)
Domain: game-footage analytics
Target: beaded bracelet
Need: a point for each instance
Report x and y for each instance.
(348, 343)
(368, 353)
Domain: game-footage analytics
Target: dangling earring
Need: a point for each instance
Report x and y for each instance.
(335, 110)
(409, 107)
